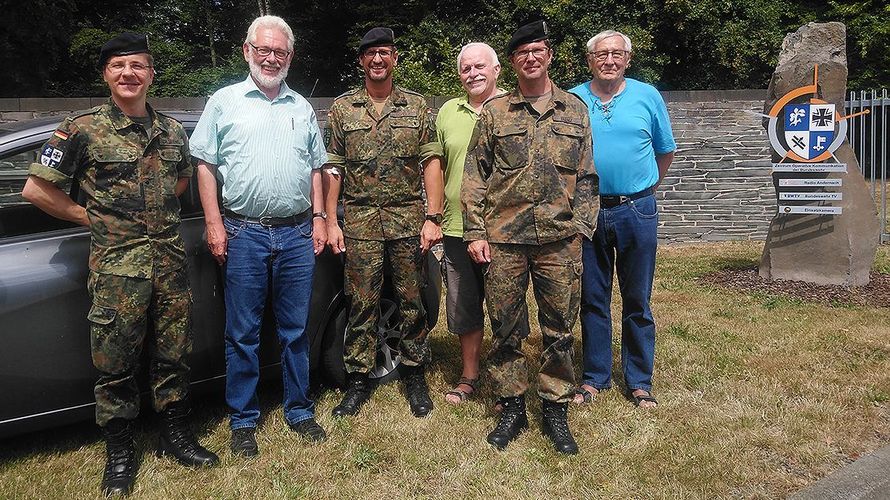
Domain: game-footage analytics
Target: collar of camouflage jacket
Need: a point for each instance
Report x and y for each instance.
(559, 95)
(122, 121)
(397, 97)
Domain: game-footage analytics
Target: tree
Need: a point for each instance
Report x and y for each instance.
(678, 44)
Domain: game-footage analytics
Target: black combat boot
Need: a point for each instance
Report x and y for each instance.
(512, 422)
(178, 440)
(358, 392)
(555, 425)
(416, 390)
(120, 458)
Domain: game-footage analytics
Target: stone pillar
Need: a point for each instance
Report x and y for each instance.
(823, 249)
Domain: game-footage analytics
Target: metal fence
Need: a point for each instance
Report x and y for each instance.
(868, 135)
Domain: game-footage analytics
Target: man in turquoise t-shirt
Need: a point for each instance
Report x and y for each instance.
(478, 69)
(633, 146)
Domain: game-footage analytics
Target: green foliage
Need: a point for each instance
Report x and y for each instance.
(678, 44)
(868, 36)
(33, 39)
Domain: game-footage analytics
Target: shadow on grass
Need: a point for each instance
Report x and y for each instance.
(723, 263)
(208, 411)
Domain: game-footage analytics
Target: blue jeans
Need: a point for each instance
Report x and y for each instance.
(625, 241)
(262, 260)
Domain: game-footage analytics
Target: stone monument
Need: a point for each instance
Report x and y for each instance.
(826, 230)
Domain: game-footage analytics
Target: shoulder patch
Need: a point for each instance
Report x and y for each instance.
(51, 156)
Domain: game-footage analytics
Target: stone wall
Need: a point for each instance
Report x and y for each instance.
(719, 187)
(720, 184)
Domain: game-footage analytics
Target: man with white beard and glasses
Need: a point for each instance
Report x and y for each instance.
(261, 140)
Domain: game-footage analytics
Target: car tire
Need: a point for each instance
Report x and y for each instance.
(387, 358)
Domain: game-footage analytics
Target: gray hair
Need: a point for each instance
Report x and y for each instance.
(491, 53)
(270, 22)
(602, 35)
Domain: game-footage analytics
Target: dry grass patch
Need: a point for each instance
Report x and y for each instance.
(760, 395)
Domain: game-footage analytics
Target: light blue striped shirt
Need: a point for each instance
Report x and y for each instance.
(264, 149)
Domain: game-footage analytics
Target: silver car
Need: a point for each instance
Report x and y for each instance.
(46, 372)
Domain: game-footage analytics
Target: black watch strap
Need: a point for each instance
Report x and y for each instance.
(434, 218)
(323, 215)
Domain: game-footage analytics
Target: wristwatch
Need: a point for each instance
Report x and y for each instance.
(323, 215)
(434, 218)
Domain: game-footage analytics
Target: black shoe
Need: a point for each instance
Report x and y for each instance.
(512, 422)
(358, 393)
(416, 390)
(309, 429)
(120, 458)
(555, 425)
(244, 442)
(178, 440)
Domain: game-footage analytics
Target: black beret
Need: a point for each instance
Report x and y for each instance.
(377, 37)
(531, 32)
(122, 45)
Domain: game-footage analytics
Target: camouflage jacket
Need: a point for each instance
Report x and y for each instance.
(380, 159)
(529, 178)
(129, 179)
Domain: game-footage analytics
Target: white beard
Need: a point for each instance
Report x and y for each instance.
(256, 72)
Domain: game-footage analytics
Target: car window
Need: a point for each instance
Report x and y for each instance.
(17, 215)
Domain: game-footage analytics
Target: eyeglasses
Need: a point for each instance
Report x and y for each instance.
(539, 53)
(265, 51)
(602, 55)
(119, 67)
(383, 53)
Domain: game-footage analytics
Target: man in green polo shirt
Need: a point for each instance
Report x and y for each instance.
(478, 69)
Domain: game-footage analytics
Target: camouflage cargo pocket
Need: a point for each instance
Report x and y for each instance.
(405, 136)
(101, 320)
(170, 158)
(358, 144)
(566, 141)
(511, 146)
(116, 169)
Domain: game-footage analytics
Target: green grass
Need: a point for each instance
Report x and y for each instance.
(760, 396)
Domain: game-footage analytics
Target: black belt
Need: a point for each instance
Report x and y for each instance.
(620, 199)
(293, 220)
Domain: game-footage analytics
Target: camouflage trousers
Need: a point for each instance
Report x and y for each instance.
(363, 283)
(555, 270)
(118, 323)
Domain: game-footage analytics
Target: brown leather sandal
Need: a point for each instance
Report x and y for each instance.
(463, 395)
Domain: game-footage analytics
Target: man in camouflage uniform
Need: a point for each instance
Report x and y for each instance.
(381, 141)
(131, 162)
(529, 190)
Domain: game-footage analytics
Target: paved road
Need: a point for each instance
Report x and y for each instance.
(865, 479)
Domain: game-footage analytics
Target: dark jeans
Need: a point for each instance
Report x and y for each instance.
(261, 260)
(625, 241)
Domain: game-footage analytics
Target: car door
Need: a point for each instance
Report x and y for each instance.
(46, 373)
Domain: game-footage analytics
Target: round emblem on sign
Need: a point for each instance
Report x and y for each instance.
(811, 129)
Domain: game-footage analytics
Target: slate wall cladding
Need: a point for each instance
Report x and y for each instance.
(719, 187)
